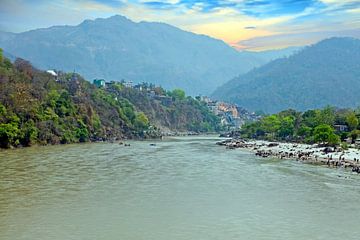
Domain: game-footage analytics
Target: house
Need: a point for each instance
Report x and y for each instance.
(167, 101)
(152, 94)
(129, 84)
(357, 142)
(138, 87)
(99, 82)
(110, 84)
(53, 73)
(341, 128)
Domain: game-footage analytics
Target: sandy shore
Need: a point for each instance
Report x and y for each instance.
(301, 152)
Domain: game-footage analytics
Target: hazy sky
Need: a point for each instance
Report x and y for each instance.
(245, 24)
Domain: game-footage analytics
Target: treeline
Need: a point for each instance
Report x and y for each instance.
(39, 108)
(328, 126)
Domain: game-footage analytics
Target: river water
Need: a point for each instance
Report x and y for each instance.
(182, 188)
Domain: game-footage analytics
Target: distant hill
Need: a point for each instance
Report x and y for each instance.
(327, 73)
(117, 48)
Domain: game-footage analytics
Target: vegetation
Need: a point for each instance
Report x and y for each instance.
(169, 109)
(39, 108)
(325, 73)
(328, 126)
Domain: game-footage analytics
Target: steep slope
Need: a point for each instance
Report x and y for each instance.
(327, 73)
(37, 107)
(117, 48)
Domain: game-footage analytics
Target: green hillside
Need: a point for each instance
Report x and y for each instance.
(39, 108)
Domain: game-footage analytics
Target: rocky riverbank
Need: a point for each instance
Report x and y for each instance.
(330, 156)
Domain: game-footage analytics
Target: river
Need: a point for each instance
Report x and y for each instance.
(182, 188)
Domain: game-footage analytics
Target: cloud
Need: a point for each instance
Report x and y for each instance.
(266, 8)
(234, 21)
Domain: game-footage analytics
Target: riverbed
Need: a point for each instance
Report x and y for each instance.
(177, 188)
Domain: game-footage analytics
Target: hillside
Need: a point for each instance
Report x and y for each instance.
(117, 48)
(327, 73)
(37, 107)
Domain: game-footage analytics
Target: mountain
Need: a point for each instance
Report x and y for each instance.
(116, 48)
(327, 73)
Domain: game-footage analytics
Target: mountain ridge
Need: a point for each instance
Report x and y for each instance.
(326, 73)
(117, 48)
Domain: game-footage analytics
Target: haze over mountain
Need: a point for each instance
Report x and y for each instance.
(266, 56)
(117, 48)
(327, 73)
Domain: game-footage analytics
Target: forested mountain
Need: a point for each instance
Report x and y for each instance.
(117, 48)
(327, 73)
(37, 107)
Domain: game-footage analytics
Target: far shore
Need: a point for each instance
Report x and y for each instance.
(119, 140)
(314, 154)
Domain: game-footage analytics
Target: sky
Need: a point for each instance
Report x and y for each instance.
(244, 24)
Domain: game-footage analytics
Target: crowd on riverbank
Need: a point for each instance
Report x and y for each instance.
(315, 154)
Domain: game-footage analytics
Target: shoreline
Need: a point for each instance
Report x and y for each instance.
(311, 154)
(118, 140)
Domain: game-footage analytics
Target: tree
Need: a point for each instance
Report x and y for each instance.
(287, 127)
(28, 133)
(325, 134)
(9, 135)
(354, 135)
(82, 132)
(327, 116)
(141, 121)
(271, 124)
(352, 121)
(178, 94)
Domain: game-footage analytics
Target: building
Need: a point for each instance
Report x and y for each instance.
(53, 73)
(129, 84)
(110, 84)
(165, 100)
(357, 142)
(341, 128)
(99, 82)
(138, 87)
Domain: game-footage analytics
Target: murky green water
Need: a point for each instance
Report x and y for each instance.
(183, 188)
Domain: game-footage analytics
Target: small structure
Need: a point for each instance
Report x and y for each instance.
(109, 84)
(167, 101)
(53, 73)
(357, 142)
(348, 140)
(129, 84)
(99, 82)
(152, 94)
(341, 128)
